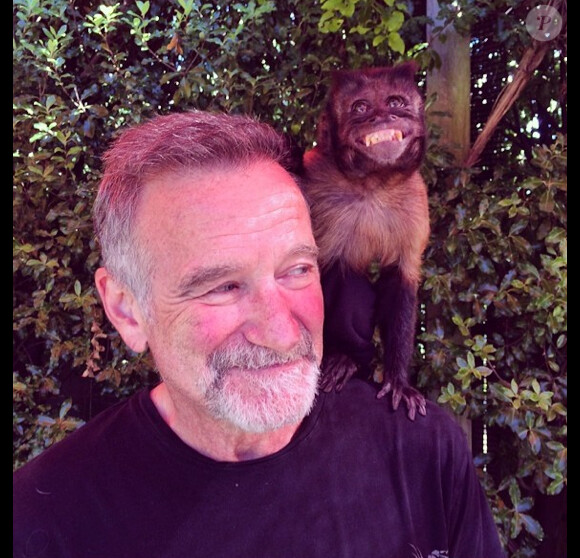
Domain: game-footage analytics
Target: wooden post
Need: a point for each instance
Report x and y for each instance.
(451, 83)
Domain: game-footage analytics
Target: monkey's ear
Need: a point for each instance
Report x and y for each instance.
(341, 79)
(323, 131)
(338, 77)
(294, 159)
(406, 69)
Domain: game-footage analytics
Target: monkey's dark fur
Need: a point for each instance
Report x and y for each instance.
(369, 206)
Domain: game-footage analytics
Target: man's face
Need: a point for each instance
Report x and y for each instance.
(237, 312)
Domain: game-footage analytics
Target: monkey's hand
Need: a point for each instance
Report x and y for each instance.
(413, 398)
(336, 369)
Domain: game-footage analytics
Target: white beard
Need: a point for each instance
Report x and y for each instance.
(259, 390)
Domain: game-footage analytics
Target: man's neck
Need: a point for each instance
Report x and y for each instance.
(214, 438)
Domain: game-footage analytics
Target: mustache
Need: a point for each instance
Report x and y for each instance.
(253, 357)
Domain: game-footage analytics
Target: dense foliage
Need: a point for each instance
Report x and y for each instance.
(494, 321)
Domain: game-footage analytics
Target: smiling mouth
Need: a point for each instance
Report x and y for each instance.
(272, 367)
(389, 134)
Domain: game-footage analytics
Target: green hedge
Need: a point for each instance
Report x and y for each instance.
(494, 328)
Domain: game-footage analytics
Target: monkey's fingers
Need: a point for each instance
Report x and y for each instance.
(336, 371)
(348, 372)
(422, 407)
(326, 383)
(415, 402)
(397, 396)
(387, 387)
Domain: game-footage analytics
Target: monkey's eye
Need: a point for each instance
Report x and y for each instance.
(360, 107)
(395, 101)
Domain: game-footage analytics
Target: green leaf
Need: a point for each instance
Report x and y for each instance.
(470, 359)
(143, 7)
(187, 6)
(378, 39)
(65, 408)
(396, 43)
(43, 420)
(483, 371)
(556, 235)
(556, 486)
(532, 526)
(395, 22)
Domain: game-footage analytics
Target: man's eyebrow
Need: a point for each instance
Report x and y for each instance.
(202, 276)
(308, 250)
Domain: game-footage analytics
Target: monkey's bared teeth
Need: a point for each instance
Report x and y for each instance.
(383, 135)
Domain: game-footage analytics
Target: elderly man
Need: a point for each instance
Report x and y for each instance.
(210, 264)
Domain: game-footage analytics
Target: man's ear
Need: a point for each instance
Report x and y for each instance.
(122, 310)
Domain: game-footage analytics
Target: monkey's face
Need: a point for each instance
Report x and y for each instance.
(376, 121)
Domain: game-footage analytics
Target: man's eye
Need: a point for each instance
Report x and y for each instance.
(299, 276)
(300, 270)
(227, 293)
(225, 288)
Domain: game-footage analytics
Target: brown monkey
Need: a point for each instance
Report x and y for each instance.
(369, 208)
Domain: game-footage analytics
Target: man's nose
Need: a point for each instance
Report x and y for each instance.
(271, 321)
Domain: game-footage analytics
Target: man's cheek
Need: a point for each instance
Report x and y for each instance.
(215, 326)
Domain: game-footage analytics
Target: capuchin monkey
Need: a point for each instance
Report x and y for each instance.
(371, 222)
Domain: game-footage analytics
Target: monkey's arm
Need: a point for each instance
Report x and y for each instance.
(396, 318)
(349, 301)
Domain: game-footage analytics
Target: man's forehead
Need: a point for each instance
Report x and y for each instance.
(224, 202)
(259, 179)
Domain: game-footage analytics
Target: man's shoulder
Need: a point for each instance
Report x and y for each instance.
(356, 418)
(358, 401)
(82, 450)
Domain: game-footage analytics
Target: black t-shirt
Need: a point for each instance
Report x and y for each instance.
(357, 480)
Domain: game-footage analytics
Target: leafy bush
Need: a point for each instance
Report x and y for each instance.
(495, 281)
(494, 326)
